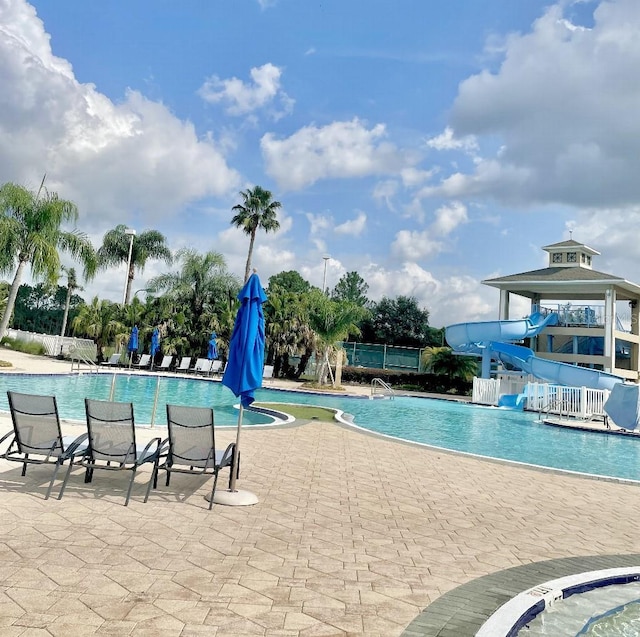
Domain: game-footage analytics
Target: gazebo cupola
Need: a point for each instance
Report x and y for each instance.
(570, 254)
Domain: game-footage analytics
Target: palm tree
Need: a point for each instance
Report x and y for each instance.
(201, 288)
(31, 233)
(149, 244)
(98, 321)
(332, 321)
(442, 360)
(257, 211)
(72, 286)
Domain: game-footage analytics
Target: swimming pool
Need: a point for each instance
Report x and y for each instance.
(485, 431)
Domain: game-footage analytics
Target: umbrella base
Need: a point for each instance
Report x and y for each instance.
(234, 498)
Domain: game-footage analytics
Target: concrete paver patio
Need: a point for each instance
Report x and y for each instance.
(353, 535)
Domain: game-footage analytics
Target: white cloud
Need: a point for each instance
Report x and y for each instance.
(449, 217)
(415, 245)
(243, 98)
(353, 227)
(563, 106)
(447, 141)
(449, 300)
(318, 224)
(338, 150)
(111, 159)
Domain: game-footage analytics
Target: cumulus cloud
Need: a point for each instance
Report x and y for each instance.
(415, 245)
(447, 141)
(562, 106)
(338, 150)
(353, 227)
(111, 159)
(447, 299)
(243, 98)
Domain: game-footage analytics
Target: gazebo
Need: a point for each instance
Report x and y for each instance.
(593, 329)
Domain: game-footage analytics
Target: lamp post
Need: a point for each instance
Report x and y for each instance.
(326, 257)
(131, 233)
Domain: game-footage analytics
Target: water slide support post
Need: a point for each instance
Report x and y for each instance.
(486, 362)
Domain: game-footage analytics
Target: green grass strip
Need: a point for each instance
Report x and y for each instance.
(301, 412)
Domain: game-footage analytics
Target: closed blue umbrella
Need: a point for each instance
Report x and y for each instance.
(132, 345)
(243, 374)
(155, 344)
(212, 350)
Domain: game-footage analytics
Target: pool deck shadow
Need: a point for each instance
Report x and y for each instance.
(354, 535)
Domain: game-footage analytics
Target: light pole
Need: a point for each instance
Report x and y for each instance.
(326, 257)
(132, 233)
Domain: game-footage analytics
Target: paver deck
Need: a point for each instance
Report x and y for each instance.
(353, 535)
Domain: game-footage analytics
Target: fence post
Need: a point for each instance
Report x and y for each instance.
(384, 357)
(583, 402)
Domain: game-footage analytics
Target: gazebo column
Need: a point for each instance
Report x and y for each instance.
(635, 329)
(609, 329)
(503, 311)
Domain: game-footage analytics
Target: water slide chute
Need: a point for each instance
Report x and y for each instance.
(494, 339)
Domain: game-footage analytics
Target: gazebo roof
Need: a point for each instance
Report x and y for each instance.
(565, 283)
(571, 244)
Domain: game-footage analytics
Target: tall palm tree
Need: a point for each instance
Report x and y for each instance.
(72, 286)
(257, 211)
(149, 244)
(31, 233)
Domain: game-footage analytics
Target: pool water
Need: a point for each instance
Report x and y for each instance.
(485, 431)
(611, 611)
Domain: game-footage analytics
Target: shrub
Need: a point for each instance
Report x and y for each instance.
(431, 383)
(23, 346)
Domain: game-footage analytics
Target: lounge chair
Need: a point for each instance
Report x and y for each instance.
(113, 361)
(36, 436)
(165, 364)
(144, 362)
(267, 372)
(185, 364)
(202, 366)
(112, 443)
(216, 367)
(191, 445)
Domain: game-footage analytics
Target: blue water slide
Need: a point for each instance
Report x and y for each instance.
(495, 338)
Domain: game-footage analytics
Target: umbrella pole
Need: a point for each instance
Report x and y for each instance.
(236, 450)
(235, 497)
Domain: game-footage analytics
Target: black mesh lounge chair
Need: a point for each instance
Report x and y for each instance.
(185, 363)
(144, 362)
(192, 446)
(113, 361)
(112, 442)
(36, 437)
(165, 364)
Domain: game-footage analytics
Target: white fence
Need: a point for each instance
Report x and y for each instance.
(486, 391)
(579, 402)
(56, 345)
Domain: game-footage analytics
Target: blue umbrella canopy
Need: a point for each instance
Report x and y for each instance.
(155, 342)
(132, 345)
(212, 349)
(623, 405)
(243, 374)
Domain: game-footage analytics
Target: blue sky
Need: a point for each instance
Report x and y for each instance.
(426, 145)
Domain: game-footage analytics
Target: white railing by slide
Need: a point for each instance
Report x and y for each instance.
(578, 402)
(486, 391)
(378, 386)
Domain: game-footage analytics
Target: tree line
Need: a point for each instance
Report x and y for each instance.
(196, 297)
